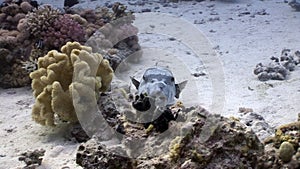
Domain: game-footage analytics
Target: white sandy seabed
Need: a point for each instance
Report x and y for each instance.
(240, 41)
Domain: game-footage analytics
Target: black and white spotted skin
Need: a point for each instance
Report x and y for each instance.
(159, 83)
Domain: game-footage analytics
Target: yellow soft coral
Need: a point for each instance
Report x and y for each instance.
(74, 70)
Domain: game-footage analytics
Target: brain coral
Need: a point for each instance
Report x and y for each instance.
(52, 81)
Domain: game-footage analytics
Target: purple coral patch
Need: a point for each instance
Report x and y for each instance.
(64, 30)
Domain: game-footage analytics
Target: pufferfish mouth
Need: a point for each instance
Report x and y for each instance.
(161, 97)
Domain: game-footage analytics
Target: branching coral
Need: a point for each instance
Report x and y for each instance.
(63, 30)
(41, 19)
(52, 82)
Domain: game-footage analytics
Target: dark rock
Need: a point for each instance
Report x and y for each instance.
(146, 10)
(79, 134)
(94, 155)
(32, 158)
(172, 39)
(294, 4)
(70, 3)
(199, 74)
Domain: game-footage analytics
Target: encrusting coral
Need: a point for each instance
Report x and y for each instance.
(53, 86)
(282, 150)
(207, 141)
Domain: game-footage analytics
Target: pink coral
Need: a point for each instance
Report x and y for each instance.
(64, 30)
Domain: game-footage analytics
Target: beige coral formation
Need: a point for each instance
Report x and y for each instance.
(60, 74)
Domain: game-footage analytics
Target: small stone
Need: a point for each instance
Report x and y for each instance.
(202, 21)
(199, 74)
(286, 151)
(146, 10)
(172, 39)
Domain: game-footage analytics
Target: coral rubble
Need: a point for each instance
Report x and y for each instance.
(53, 86)
(32, 158)
(279, 68)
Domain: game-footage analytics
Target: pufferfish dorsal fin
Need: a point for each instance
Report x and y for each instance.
(135, 82)
(179, 87)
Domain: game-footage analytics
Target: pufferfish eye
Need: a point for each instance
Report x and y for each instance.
(172, 79)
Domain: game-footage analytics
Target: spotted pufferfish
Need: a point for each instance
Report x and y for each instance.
(159, 84)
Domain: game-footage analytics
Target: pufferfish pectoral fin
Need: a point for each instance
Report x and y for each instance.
(179, 87)
(135, 82)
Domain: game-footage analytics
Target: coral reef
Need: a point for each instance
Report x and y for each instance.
(32, 158)
(279, 68)
(206, 141)
(13, 33)
(116, 42)
(35, 30)
(54, 28)
(53, 86)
